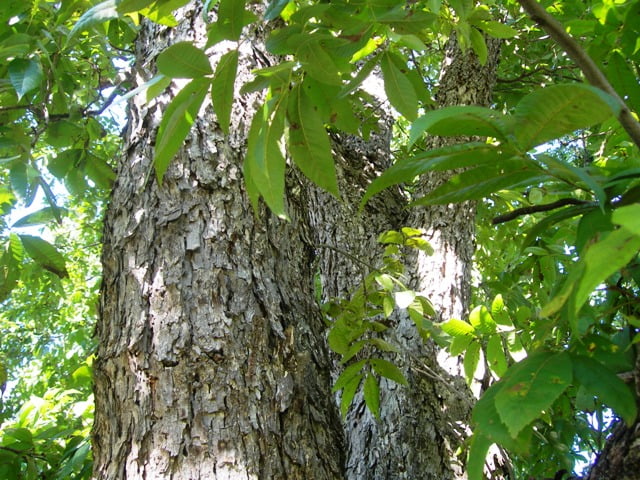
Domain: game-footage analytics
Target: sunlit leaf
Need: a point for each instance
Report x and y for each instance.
(183, 60)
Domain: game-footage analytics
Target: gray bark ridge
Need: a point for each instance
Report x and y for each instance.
(211, 359)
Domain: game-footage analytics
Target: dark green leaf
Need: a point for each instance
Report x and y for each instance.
(231, 18)
(399, 88)
(532, 386)
(496, 357)
(309, 143)
(348, 392)
(471, 360)
(372, 395)
(348, 374)
(482, 181)
(222, 88)
(455, 156)
(605, 384)
(102, 12)
(274, 9)
(469, 120)
(42, 216)
(44, 254)
(176, 123)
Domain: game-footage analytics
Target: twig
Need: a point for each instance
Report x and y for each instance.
(591, 71)
(518, 212)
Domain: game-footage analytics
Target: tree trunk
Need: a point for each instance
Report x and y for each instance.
(212, 360)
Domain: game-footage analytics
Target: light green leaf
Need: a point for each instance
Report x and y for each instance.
(309, 143)
(457, 328)
(388, 370)
(499, 312)
(44, 254)
(176, 123)
(128, 6)
(558, 110)
(459, 344)
(222, 88)
(605, 384)
(384, 345)
(372, 395)
(404, 298)
(481, 319)
(497, 29)
(183, 60)
(495, 355)
(398, 88)
(459, 120)
(25, 75)
(471, 360)
(317, 61)
(532, 386)
(628, 217)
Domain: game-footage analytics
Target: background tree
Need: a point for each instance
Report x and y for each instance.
(192, 278)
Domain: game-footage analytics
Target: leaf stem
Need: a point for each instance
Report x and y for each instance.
(593, 74)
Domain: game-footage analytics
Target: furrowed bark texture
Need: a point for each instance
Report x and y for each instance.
(211, 361)
(421, 426)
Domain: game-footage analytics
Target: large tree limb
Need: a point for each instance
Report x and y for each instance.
(591, 71)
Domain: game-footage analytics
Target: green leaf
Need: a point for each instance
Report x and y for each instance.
(222, 88)
(176, 123)
(398, 88)
(457, 328)
(484, 180)
(231, 18)
(532, 386)
(481, 319)
(605, 384)
(478, 448)
(383, 345)
(264, 164)
(274, 9)
(317, 61)
(309, 143)
(497, 29)
(628, 217)
(459, 344)
(348, 392)
(42, 216)
(499, 312)
(471, 360)
(44, 254)
(558, 110)
(102, 12)
(479, 46)
(183, 60)
(388, 370)
(372, 395)
(348, 374)
(495, 355)
(603, 259)
(460, 120)
(455, 156)
(25, 75)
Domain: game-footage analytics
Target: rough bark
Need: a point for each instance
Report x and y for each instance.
(422, 426)
(211, 361)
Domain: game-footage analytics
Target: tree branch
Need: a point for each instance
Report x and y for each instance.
(593, 74)
(518, 212)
